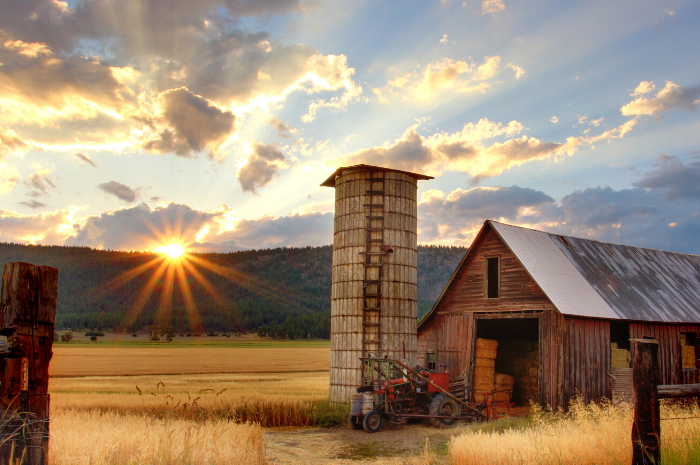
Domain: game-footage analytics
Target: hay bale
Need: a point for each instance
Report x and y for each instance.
(485, 362)
(488, 344)
(486, 353)
(503, 380)
(504, 396)
(619, 358)
(688, 356)
(613, 345)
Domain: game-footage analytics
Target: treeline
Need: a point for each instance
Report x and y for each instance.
(284, 292)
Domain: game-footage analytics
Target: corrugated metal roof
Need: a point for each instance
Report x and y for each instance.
(588, 278)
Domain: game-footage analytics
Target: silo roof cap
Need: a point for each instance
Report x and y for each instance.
(330, 182)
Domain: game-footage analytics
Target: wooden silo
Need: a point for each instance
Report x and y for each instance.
(374, 284)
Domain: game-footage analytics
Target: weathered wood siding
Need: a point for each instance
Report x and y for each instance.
(551, 373)
(518, 291)
(586, 359)
(669, 339)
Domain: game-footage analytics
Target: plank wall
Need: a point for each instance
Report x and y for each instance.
(669, 339)
(586, 359)
(518, 291)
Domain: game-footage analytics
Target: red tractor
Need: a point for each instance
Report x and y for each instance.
(394, 392)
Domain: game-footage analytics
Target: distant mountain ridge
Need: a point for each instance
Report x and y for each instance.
(286, 290)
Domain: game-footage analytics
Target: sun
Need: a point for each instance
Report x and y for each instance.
(173, 250)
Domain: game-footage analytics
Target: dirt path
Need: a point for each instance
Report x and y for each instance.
(343, 446)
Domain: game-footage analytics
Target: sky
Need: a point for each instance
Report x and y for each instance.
(132, 124)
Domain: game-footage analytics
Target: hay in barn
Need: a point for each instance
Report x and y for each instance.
(486, 353)
(503, 380)
(688, 356)
(502, 396)
(485, 362)
(619, 358)
(487, 344)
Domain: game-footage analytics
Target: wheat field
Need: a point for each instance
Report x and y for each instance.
(589, 434)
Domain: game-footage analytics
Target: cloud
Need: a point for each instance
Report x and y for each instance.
(9, 177)
(453, 218)
(554, 119)
(492, 7)
(39, 182)
(444, 39)
(644, 87)
(9, 142)
(45, 227)
(519, 72)
(119, 190)
(489, 69)
(86, 159)
(34, 204)
(195, 123)
(261, 166)
(460, 76)
(283, 130)
(674, 177)
(141, 227)
(671, 97)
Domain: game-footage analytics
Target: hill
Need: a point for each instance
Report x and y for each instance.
(284, 292)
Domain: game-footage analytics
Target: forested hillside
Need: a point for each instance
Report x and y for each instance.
(285, 291)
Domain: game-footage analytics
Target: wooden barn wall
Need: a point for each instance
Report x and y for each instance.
(669, 339)
(586, 359)
(518, 291)
(427, 341)
(551, 372)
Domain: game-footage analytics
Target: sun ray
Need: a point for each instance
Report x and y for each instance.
(203, 281)
(190, 305)
(125, 278)
(144, 295)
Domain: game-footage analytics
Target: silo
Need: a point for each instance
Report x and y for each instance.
(374, 284)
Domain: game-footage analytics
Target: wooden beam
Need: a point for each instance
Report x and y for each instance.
(646, 428)
(675, 391)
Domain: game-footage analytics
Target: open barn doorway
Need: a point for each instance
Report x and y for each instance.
(517, 355)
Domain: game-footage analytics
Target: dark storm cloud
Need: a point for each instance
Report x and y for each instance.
(86, 159)
(314, 229)
(133, 228)
(196, 124)
(465, 209)
(119, 190)
(677, 179)
(260, 168)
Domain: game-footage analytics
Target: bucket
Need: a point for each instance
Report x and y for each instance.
(356, 405)
(367, 402)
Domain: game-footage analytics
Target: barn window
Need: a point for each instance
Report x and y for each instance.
(492, 272)
(431, 361)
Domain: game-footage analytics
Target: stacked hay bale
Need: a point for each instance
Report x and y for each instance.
(529, 370)
(688, 356)
(484, 368)
(520, 359)
(503, 388)
(619, 358)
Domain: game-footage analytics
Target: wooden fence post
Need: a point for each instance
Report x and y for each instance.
(27, 318)
(646, 429)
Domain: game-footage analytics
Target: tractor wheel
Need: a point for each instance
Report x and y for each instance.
(446, 407)
(372, 421)
(355, 422)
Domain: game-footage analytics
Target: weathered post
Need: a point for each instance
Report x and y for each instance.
(27, 318)
(646, 429)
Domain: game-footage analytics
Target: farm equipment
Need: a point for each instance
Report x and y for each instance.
(394, 392)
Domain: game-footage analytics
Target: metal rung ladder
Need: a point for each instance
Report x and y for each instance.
(373, 260)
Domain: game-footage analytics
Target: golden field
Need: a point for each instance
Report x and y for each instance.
(587, 435)
(143, 359)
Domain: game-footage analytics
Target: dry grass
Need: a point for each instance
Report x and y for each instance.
(593, 434)
(282, 399)
(111, 439)
(105, 360)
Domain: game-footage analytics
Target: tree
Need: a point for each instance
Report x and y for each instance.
(67, 337)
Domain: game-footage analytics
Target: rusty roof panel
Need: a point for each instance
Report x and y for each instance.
(630, 283)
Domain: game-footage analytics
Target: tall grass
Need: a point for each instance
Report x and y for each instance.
(587, 434)
(269, 400)
(90, 438)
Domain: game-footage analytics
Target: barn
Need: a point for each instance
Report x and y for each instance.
(563, 310)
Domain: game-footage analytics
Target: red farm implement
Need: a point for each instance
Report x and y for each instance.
(394, 392)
